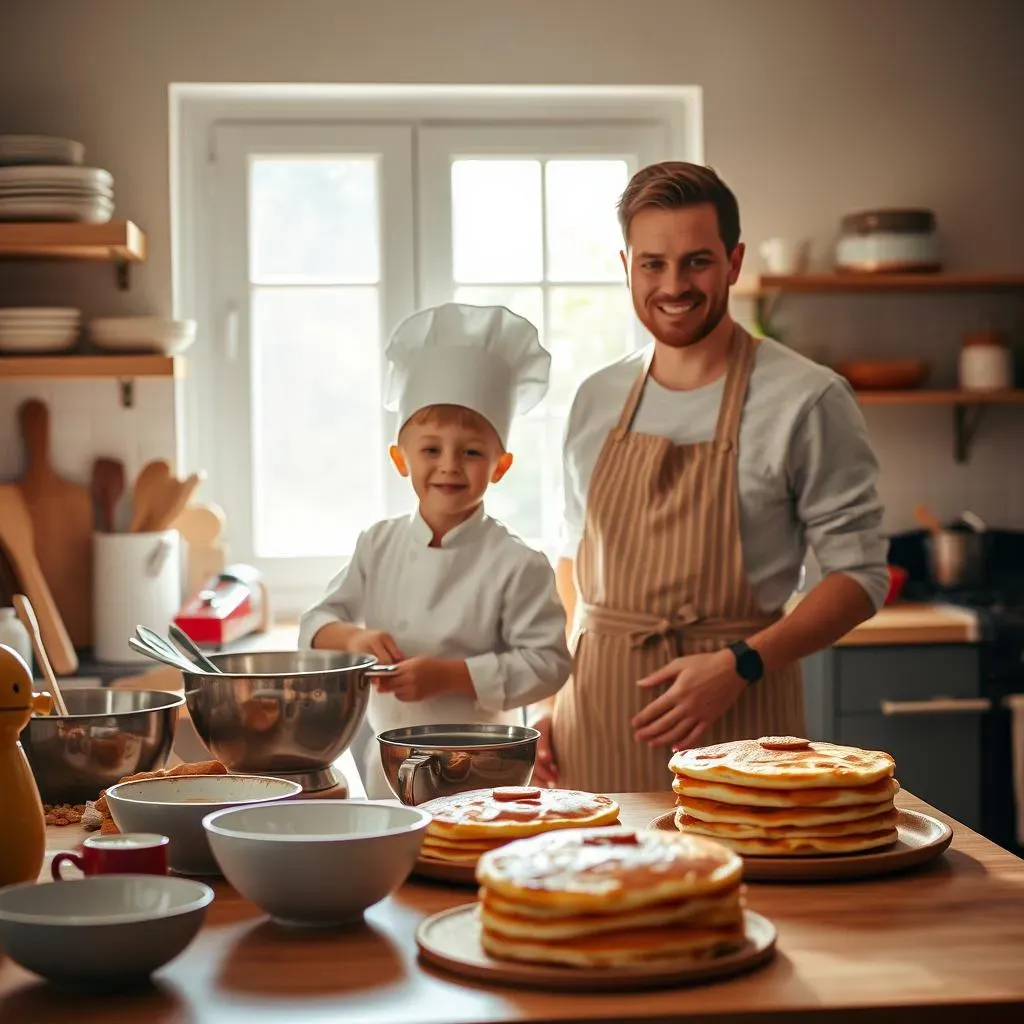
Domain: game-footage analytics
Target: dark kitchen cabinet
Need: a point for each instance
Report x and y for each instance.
(922, 704)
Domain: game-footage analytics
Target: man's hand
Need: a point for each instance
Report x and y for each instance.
(376, 642)
(423, 678)
(545, 768)
(704, 687)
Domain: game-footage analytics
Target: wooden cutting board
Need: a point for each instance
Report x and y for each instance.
(62, 524)
(17, 541)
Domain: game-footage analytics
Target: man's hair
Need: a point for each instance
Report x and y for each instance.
(451, 415)
(673, 185)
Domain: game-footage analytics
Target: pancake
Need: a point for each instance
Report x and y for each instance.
(515, 812)
(777, 817)
(641, 946)
(784, 762)
(880, 792)
(810, 846)
(730, 830)
(608, 870)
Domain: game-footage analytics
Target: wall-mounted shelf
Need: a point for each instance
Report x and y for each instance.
(968, 408)
(122, 368)
(120, 242)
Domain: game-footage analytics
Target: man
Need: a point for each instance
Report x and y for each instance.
(697, 474)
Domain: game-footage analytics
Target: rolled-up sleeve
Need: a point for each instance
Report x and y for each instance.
(343, 602)
(535, 662)
(833, 472)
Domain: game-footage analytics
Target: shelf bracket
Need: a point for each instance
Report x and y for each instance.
(127, 387)
(123, 275)
(966, 420)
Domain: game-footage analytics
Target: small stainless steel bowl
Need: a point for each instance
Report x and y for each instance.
(427, 761)
(107, 735)
(290, 714)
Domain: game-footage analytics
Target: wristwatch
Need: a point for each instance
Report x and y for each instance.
(749, 665)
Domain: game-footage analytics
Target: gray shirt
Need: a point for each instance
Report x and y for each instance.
(806, 468)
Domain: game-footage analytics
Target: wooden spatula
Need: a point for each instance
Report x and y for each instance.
(62, 526)
(107, 490)
(23, 606)
(150, 486)
(176, 496)
(18, 543)
(201, 527)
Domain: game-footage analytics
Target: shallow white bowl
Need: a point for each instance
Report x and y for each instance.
(175, 807)
(317, 862)
(104, 929)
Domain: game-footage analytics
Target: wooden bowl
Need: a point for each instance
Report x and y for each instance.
(883, 374)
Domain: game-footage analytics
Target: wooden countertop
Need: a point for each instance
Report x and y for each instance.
(940, 944)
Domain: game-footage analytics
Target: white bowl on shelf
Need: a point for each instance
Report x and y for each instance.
(36, 340)
(317, 862)
(142, 334)
(39, 149)
(109, 930)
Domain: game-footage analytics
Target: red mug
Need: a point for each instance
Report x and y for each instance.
(129, 853)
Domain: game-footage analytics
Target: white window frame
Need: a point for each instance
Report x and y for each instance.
(670, 117)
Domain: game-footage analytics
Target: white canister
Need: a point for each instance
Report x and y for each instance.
(136, 581)
(986, 363)
(15, 635)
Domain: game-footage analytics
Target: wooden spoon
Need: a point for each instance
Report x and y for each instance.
(176, 496)
(150, 485)
(107, 490)
(28, 619)
(928, 519)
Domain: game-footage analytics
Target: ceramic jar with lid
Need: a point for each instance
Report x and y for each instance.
(986, 363)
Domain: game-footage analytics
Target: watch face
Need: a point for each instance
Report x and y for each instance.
(748, 665)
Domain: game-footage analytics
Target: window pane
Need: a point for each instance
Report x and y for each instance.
(583, 236)
(528, 302)
(496, 221)
(315, 219)
(517, 500)
(318, 444)
(588, 328)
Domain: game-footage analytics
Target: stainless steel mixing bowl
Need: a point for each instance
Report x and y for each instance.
(285, 713)
(427, 761)
(106, 735)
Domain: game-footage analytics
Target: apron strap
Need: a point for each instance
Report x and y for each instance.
(730, 412)
(633, 401)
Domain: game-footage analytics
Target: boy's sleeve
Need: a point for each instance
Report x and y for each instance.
(344, 600)
(536, 662)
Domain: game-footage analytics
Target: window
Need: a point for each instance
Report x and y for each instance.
(318, 239)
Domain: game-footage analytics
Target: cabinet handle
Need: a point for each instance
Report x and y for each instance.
(938, 706)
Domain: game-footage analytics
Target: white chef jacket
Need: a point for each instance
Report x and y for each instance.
(484, 596)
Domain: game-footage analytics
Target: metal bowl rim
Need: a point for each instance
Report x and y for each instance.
(175, 700)
(415, 744)
(205, 676)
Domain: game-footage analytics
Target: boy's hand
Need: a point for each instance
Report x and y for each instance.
(376, 642)
(423, 678)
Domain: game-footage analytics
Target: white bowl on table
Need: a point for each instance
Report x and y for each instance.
(109, 930)
(317, 862)
(175, 807)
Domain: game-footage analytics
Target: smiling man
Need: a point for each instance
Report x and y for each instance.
(697, 474)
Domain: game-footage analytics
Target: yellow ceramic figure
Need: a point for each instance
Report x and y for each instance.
(21, 811)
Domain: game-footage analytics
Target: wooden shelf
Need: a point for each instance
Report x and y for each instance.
(121, 242)
(935, 397)
(853, 282)
(122, 368)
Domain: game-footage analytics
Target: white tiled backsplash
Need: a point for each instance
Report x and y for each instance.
(87, 420)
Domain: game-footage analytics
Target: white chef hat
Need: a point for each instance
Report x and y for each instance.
(484, 358)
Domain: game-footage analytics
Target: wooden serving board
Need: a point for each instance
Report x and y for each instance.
(451, 940)
(920, 838)
(62, 524)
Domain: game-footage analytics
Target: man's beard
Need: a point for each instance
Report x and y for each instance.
(711, 321)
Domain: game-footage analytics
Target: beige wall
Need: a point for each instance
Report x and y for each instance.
(812, 108)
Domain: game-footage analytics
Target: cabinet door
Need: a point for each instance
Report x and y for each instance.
(938, 756)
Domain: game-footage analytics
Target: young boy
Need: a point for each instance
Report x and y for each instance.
(466, 610)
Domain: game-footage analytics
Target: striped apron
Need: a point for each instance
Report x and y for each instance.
(659, 574)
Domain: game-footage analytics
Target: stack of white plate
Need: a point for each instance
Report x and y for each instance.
(142, 334)
(56, 193)
(39, 149)
(38, 329)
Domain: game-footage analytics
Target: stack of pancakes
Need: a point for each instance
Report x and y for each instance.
(609, 897)
(785, 797)
(467, 825)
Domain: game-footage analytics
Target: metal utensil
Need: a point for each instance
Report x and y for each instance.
(27, 614)
(427, 761)
(956, 558)
(157, 654)
(975, 522)
(191, 648)
(152, 639)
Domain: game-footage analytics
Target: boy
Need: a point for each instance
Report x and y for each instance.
(467, 611)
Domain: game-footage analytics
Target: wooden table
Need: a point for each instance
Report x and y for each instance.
(943, 943)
